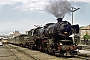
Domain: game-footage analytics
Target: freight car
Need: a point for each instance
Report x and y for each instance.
(55, 38)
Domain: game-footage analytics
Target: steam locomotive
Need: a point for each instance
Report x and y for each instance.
(53, 38)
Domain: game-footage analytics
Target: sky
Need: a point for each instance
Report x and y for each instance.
(22, 15)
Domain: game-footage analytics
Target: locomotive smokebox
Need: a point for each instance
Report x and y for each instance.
(59, 19)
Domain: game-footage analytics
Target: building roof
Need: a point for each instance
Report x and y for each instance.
(86, 27)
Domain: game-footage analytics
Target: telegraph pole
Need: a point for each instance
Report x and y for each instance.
(73, 10)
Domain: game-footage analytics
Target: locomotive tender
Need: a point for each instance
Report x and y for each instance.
(53, 38)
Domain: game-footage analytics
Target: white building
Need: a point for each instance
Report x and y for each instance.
(84, 30)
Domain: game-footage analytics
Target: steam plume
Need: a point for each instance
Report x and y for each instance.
(58, 8)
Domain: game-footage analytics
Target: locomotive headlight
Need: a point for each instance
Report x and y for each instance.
(61, 43)
(65, 32)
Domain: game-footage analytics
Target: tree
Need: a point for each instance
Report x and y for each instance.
(86, 36)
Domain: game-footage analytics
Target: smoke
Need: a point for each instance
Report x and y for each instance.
(58, 8)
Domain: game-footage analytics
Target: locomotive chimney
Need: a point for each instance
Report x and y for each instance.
(59, 19)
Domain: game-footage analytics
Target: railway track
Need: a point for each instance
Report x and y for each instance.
(10, 50)
(82, 57)
(13, 50)
(36, 55)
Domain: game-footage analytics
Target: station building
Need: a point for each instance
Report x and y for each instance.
(84, 30)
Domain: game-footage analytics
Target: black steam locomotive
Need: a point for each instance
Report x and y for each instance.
(53, 38)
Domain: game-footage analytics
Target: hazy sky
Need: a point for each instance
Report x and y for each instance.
(22, 15)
